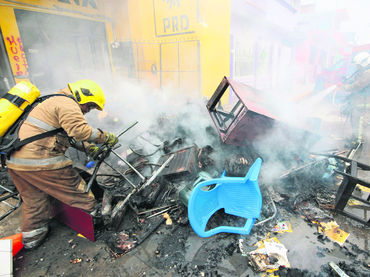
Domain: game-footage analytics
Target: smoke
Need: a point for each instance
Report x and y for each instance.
(357, 17)
(270, 54)
(72, 49)
(299, 68)
(300, 128)
(162, 115)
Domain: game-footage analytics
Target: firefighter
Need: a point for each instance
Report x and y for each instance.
(40, 170)
(358, 101)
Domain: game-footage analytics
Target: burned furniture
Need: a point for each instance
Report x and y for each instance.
(245, 119)
(10, 200)
(247, 115)
(184, 163)
(83, 222)
(6, 195)
(347, 188)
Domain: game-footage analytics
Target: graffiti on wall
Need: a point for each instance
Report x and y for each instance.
(17, 56)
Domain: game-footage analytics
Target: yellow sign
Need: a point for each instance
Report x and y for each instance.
(174, 17)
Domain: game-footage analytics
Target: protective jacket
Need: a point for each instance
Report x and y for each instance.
(361, 82)
(48, 153)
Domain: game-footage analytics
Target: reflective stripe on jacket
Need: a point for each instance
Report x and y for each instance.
(48, 153)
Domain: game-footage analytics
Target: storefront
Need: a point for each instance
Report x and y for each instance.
(51, 43)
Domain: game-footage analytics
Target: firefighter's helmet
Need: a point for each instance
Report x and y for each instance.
(87, 91)
(362, 58)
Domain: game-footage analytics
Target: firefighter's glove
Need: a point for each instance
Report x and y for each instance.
(111, 139)
(92, 150)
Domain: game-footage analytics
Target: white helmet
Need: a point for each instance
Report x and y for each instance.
(362, 58)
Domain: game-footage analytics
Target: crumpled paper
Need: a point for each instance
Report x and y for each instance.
(270, 254)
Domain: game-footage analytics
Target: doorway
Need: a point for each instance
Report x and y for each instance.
(61, 49)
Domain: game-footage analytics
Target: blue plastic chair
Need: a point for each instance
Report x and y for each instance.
(239, 196)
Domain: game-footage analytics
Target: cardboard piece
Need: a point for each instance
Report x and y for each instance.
(332, 231)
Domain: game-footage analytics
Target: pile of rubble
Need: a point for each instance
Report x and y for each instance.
(301, 200)
(144, 191)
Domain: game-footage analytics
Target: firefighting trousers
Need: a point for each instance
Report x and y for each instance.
(37, 188)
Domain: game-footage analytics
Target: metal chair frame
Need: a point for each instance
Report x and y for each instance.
(3, 200)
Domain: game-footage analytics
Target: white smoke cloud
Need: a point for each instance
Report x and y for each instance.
(162, 114)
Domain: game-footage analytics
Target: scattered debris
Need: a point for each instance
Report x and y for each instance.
(338, 270)
(184, 163)
(309, 210)
(75, 261)
(270, 254)
(282, 227)
(237, 165)
(120, 243)
(332, 231)
(168, 219)
(9, 197)
(129, 214)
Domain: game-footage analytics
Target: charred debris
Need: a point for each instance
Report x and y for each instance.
(306, 197)
(305, 188)
(300, 190)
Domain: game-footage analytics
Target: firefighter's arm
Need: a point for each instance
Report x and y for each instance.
(89, 149)
(72, 120)
(362, 81)
(81, 145)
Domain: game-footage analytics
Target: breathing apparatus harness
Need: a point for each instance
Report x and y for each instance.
(10, 142)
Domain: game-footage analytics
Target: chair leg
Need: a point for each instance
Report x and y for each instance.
(344, 193)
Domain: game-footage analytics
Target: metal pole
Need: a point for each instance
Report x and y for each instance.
(157, 172)
(128, 128)
(122, 203)
(126, 162)
(124, 177)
